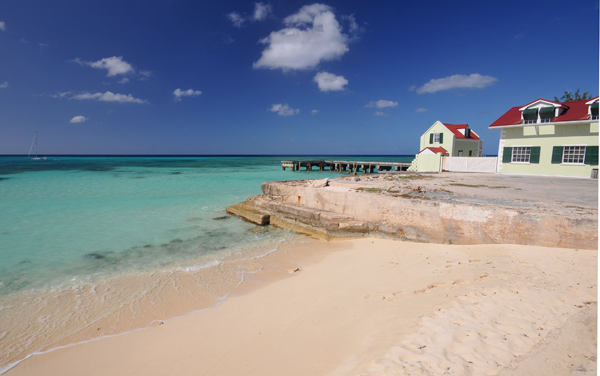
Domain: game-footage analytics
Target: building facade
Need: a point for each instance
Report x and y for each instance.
(454, 140)
(458, 140)
(549, 138)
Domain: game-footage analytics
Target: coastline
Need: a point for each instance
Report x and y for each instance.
(42, 321)
(371, 307)
(374, 287)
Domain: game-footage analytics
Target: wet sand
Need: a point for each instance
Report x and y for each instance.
(373, 307)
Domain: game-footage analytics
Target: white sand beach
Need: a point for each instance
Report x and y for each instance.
(373, 307)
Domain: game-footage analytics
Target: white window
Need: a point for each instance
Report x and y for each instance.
(436, 137)
(521, 154)
(573, 154)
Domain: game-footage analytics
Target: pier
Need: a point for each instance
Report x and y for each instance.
(352, 167)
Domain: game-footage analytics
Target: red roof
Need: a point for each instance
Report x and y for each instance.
(435, 150)
(573, 111)
(455, 128)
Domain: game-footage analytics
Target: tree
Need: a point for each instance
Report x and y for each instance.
(570, 97)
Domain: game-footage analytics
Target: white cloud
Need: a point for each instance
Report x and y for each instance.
(236, 19)
(314, 112)
(382, 103)
(421, 110)
(145, 74)
(473, 81)
(2, 25)
(379, 113)
(124, 80)
(261, 11)
(353, 27)
(178, 93)
(284, 110)
(114, 65)
(60, 95)
(78, 119)
(312, 35)
(330, 82)
(4, 85)
(109, 97)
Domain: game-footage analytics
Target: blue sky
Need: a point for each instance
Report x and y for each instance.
(279, 77)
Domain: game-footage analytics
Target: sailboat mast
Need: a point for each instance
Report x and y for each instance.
(34, 141)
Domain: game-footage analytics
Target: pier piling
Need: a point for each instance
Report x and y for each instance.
(352, 167)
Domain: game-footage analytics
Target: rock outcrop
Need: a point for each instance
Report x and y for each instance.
(416, 209)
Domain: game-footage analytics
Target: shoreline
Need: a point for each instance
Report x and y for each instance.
(42, 321)
(376, 299)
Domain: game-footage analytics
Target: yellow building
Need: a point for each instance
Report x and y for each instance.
(441, 139)
(549, 138)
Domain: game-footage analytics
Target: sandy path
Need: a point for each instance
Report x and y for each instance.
(375, 307)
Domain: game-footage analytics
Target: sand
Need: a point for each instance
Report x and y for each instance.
(373, 307)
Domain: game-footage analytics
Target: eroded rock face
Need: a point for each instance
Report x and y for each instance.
(417, 212)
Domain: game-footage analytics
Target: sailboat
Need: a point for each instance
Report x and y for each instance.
(36, 158)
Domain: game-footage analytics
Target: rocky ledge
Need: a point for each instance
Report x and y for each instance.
(437, 208)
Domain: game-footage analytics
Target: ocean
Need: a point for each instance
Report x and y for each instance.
(92, 246)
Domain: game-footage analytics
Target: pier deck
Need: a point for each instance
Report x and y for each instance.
(341, 166)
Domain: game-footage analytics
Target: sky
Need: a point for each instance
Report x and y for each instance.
(279, 77)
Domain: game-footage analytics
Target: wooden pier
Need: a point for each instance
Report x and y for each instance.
(352, 167)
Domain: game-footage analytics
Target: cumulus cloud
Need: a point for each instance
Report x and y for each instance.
(4, 85)
(382, 103)
(312, 35)
(2, 25)
(178, 93)
(261, 11)
(78, 119)
(284, 110)
(114, 65)
(421, 110)
(473, 81)
(330, 82)
(109, 97)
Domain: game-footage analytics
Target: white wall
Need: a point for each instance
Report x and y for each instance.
(469, 164)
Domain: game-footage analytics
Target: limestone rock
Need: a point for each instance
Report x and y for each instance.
(320, 183)
(342, 210)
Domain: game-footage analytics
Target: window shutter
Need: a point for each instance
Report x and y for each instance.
(431, 138)
(441, 138)
(557, 154)
(507, 155)
(534, 156)
(530, 114)
(547, 113)
(594, 109)
(591, 155)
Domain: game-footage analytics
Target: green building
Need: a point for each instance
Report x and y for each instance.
(549, 138)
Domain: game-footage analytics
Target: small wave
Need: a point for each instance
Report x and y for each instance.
(195, 268)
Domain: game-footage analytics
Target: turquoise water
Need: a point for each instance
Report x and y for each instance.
(71, 222)
(80, 217)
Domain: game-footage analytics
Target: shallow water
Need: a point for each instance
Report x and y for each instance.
(91, 246)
